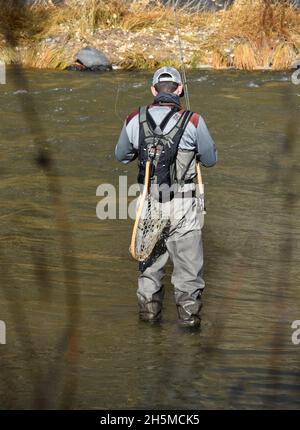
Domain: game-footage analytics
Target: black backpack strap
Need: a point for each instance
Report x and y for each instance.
(175, 135)
(150, 120)
(150, 128)
(167, 118)
(181, 124)
(155, 128)
(182, 180)
(142, 114)
(148, 131)
(158, 129)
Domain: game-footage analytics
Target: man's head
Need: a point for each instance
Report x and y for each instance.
(168, 80)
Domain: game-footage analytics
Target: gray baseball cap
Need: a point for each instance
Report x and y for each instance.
(174, 76)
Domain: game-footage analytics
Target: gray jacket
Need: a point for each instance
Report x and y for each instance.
(196, 140)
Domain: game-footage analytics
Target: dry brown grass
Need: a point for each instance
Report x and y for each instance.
(86, 16)
(244, 57)
(257, 29)
(219, 59)
(284, 56)
(251, 34)
(137, 59)
(124, 14)
(25, 24)
(38, 56)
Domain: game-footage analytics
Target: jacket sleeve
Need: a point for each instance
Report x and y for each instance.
(206, 148)
(125, 152)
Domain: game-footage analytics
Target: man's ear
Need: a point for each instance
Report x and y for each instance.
(153, 91)
(178, 90)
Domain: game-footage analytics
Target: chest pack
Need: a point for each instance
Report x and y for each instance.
(159, 148)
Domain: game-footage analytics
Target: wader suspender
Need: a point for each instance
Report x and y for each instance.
(150, 134)
(155, 129)
(158, 129)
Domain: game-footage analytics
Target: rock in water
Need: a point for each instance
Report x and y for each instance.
(296, 64)
(93, 59)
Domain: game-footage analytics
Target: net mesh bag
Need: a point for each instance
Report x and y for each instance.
(154, 219)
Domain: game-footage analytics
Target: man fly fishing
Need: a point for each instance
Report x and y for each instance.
(181, 139)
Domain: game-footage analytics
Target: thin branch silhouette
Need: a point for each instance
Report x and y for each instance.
(67, 345)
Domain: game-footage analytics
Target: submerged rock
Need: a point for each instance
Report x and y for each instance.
(91, 59)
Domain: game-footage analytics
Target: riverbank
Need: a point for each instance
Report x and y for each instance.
(250, 35)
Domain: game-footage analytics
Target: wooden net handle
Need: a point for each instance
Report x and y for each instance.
(140, 209)
(199, 176)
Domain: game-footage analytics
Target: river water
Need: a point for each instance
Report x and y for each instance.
(243, 356)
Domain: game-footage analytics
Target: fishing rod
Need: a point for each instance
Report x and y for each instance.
(185, 85)
(187, 100)
(149, 223)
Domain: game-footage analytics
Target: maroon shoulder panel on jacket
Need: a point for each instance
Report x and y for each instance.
(195, 119)
(130, 116)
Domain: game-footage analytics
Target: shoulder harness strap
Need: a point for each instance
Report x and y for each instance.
(181, 124)
(143, 121)
(149, 126)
